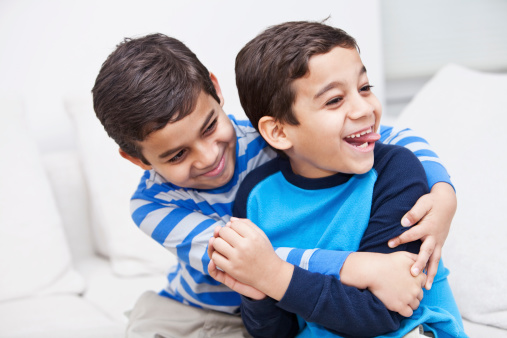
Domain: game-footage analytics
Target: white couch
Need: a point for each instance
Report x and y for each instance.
(73, 263)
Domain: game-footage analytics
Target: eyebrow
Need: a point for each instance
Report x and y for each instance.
(334, 84)
(201, 130)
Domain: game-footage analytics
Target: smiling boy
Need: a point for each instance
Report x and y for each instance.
(164, 110)
(336, 188)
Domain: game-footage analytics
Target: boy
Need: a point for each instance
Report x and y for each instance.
(304, 87)
(164, 110)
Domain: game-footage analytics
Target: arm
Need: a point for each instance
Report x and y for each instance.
(433, 212)
(193, 229)
(245, 252)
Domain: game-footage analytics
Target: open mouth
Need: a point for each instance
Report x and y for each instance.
(362, 139)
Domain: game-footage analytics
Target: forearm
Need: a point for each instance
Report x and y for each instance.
(337, 307)
(448, 194)
(262, 318)
(189, 242)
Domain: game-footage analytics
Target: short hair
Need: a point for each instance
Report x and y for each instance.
(267, 66)
(146, 83)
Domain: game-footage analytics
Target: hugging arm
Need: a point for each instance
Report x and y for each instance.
(324, 299)
(433, 212)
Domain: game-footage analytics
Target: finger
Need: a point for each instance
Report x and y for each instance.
(244, 227)
(210, 246)
(256, 228)
(418, 211)
(212, 268)
(221, 262)
(245, 232)
(414, 304)
(231, 236)
(433, 267)
(410, 255)
(408, 236)
(406, 312)
(222, 247)
(424, 279)
(216, 274)
(427, 248)
(420, 295)
(216, 231)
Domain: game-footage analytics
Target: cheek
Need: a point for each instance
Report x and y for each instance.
(175, 174)
(228, 135)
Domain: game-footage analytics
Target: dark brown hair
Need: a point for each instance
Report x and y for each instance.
(268, 64)
(144, 84)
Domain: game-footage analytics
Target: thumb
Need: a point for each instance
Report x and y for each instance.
(418, 211)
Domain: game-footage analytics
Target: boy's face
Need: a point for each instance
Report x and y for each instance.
(338, 117)
(197, 151)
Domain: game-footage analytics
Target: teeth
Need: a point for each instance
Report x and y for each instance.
(359, 134)
(364, 145)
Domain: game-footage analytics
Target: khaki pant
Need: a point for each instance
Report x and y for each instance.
(155, 316)
(418, 332)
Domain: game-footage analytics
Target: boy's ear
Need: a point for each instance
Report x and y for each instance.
(217, 88)
(273, 132)
(138, 162)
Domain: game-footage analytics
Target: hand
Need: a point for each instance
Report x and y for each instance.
(433, 212)
(392, 282)
(211, 249)
(243, 251)
(233, 284)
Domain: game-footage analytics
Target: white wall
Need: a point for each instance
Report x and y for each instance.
(53, 49)
(422, 36)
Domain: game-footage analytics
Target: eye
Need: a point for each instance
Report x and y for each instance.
(211, 127)
(366, 88)
(177, 157)
(334, 101)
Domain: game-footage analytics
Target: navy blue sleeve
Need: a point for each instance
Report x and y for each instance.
(347, 310)
(263, 318)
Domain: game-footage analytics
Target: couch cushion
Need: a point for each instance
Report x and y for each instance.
(35, 258)
(58, 316)
(463, 114)
(111, 182)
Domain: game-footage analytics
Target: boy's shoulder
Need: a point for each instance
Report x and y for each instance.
(391, 155)
(395, 166)
(242, 127)
(255, 177)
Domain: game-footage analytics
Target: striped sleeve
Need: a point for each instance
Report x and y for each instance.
(183, 232)
(434, 168)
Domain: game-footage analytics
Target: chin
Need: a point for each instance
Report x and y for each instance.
(364, 168)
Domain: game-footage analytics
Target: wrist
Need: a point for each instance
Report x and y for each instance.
(358, 269)
(277, 279)
(446, 194)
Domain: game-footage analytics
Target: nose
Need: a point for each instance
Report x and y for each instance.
(205, 154)
(360, 107)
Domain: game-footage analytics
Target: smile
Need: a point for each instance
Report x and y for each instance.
(363, 138)
(218, 169)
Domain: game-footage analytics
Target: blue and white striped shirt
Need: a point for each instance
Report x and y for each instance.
(183, 219)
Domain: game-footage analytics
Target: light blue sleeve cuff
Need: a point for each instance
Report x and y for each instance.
(436, 173)
(328, 262)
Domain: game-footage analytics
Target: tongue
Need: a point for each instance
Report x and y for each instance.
(370, 138)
